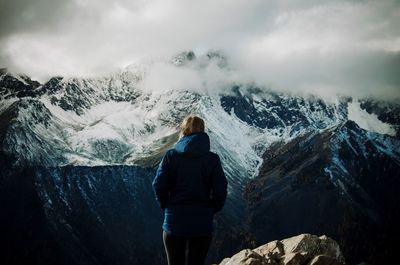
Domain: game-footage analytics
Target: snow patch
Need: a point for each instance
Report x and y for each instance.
(366, 121)
(5, 103)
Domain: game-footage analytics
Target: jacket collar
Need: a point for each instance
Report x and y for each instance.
(193, 145)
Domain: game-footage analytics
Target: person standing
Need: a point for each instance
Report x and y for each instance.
(191, 187)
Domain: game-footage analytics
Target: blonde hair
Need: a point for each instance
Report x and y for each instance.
(192, 124)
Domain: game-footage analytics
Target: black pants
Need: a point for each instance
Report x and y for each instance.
(177, 246)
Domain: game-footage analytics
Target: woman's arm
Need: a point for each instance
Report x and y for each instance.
(219, 187)
(160, 182)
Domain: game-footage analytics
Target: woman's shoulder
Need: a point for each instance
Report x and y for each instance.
(214, 157)
(170, 152)
(211, 156)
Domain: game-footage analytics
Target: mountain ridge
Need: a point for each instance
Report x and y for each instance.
(294, 164)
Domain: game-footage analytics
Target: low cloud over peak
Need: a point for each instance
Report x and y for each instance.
(349, 47)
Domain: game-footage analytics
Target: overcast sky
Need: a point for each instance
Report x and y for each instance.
(310, 45)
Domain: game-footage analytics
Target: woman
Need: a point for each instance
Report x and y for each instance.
(191, 187)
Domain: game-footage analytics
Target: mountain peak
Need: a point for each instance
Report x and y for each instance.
(183, 57)
(3, 71)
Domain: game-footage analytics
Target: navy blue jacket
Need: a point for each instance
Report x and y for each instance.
(191, 186)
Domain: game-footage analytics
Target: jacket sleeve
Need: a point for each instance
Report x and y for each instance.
(219, 187)
(160, 182)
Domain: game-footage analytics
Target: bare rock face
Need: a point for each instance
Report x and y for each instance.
(304, 249)
(324, 260)
(273, 249)
(245, 257)
(313, 245)
(294, 258)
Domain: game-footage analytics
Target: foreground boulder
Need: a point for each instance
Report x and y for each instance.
(304, 249)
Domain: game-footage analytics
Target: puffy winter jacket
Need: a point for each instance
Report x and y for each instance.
(190, 185)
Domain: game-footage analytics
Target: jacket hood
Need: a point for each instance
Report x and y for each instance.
(193, 145)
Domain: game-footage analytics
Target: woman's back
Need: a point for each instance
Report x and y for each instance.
(192, 165)
(196, 186)
(190, 185)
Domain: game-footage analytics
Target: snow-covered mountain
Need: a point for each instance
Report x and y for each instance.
(276, 147)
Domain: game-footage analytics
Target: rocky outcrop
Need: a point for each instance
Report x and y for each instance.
(304, 249)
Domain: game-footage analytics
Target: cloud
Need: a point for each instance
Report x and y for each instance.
(350, 47)
(201, 74)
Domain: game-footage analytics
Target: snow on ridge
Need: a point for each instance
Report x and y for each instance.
(110, 130)
(6, 103)
(367, 121)
(132, 128)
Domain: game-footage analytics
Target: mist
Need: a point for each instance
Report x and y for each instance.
(323, 47)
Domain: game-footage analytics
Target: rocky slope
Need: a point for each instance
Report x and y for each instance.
(341, 182)
(304, 249)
